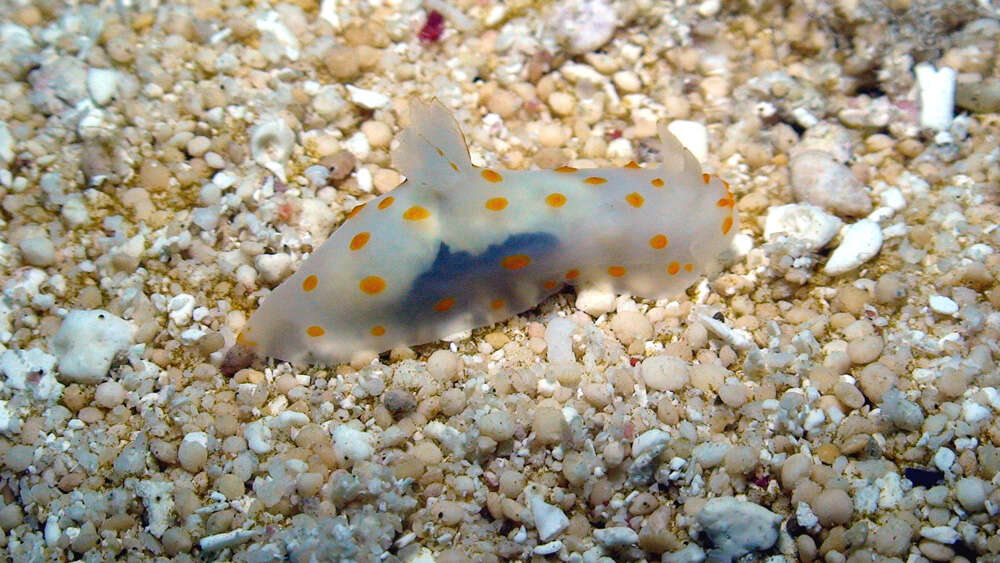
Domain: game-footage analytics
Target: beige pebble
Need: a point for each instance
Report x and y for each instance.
(109, 394)
(734, 395)
(379, 134)
(833, 507)
(562, 103)
(643, 504)
(444, 365)
(503, 102)
(740, 460)
(864, 350)
(849, 395)
(497, 425)
(664, 373)
(427, 452)
(553, 135)
(891, 536)
(385, 179)
(627, 81)
(198, 146)
(448, 513)
(308, 484)
(597, 394)
(453, 402)
(548, 425)
(631, 326)
(192, 456)
(511, 483)
(875, 379)
(827, 453)
(795, 468)
(230, 485)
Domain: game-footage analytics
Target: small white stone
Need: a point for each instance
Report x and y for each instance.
(944, 459)
(550, 520)
(38, 251)
(693, 135)
(180, 307)
(102, 83)
(860, 242)
(271, 143)
(893, 198)
(804, 222)
(594, 300)
(652, 438)
(937, 95)
(353, 444)
(940, 534)
(86, 343)
(943, 305)
(258, 437)
(616, 537)
(109, 394)
(273, 267)
(559, 344)
(33, 370)
(6, 144)
(368, 99)
(548, 548)
(973, 412)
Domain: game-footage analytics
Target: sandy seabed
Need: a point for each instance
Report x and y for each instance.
(831, 394)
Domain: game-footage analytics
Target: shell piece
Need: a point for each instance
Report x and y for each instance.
(457, 247)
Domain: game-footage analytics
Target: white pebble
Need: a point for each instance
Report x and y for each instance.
(102, 84)
(944, 459)
(367, 98)
(971, 493)
(550, 520)
(548, 548)
(940, 534)
(559, 344)
(893, 198)
(38, 251)
(273, 267)
(353, 444)
(595, 301)
(87, 342)
(937, 95)
(943, 305)
(258, 437)
(807, 223)
(650, 439)
(664, 373)
(617, 536)
(860, 242)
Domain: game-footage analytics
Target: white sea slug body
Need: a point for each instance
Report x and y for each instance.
(458, 247)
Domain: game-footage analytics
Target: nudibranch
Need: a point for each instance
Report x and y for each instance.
(457, 246)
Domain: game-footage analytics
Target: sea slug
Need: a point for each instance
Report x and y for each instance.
(457, 247)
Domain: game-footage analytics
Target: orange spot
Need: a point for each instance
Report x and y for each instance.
(377, 330)
(360, 240)
(594, 180)
(515, 261)
(706, 178)
(725, 184)
(658, 242)
(416, 213)
(310, 283)
(725, 202)
(372, 285)
(496, 304)
(245, 340)
(491, 176)
(386, 202)
(551, 284)
(315, 331)
(727, 225)
(635, 200)
(555, 200)
(496, 203)
(440, 152)
(572, 274)
(565, 169)
(673, 268)
(355, 210)
(632, 164)
(658, 182)
(454, 166)
(444, 304)
(688, 267)
(616, 271)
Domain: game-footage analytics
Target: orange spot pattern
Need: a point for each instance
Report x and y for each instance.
(310, 283)
(657, 182)
(454, 166)
(673, 268)
(372, 285)
(491, 176)
(565, 169)
(377, 330)
(551, 284)
(616, 271)
(355, 210)
(595, 180)
(416, 213)
(688, 267)
(315, 331)
(635, 200)
(386, 202)
(496, 203)
(632, 164)
(658, 242)
(444, 304)
(245, 340)
(572, 274)
(555, 200)
(496, 304)
(360, 240)
(725, 202)
(727, 225)
(706, 178)
(515, 261)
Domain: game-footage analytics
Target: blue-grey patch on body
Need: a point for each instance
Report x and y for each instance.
(467, 277)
